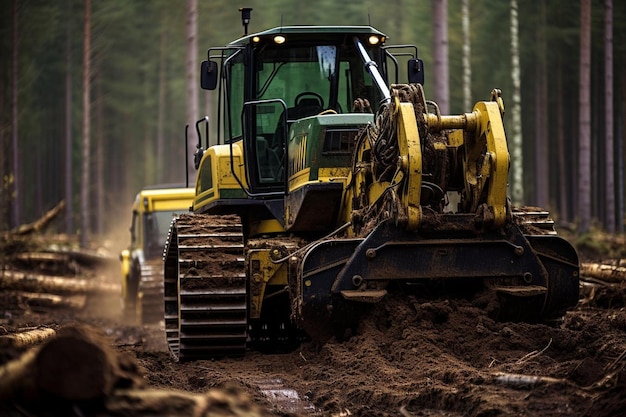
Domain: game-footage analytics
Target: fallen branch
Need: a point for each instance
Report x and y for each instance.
(526, 381)
(612, 372)
(42, 222)
(533, 354)
(44, 283)
(601, 292)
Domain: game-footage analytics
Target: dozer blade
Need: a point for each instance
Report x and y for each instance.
(535, 277)
(522, 291)
(366, 296)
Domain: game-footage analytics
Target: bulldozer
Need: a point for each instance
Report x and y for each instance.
(332, 185)
(141, 262)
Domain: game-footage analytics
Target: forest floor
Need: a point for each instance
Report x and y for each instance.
(410, 357)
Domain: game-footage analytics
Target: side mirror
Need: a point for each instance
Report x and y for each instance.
(208, 75)
(416, 71)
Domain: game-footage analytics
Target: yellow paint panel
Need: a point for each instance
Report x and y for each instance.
(167, 205)
(299, 179)
(333, 174)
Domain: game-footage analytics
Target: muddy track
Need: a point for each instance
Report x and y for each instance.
(427, 358)
(410, 356)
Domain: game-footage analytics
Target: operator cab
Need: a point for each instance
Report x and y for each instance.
(272, 79)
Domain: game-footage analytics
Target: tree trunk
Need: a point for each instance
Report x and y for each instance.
(467, 55)
(160, 142)
(100, 189)
(517, 167)
(611, 273)
(192, 83)
(76, 365)
(542, 172)
(608, 112)
(440, 55)
(561, 150)
(25, 339)
(69, 213)
(5, 200)
(584, 140)
(20, 281)
(85, 185)
(17, 211)
(620, 151)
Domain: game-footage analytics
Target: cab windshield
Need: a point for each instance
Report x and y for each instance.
(309, 79)
(156, 226)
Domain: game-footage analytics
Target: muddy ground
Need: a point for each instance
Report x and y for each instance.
(410, 357)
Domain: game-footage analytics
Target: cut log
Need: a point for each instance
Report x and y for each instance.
(83, 257)
(155, 402)
(149, 402)
(36, 300)
(34, 258)
(90, 258)
(47, 263)
(609, 273)
(28, 338)
(76, 365)
(21, 281)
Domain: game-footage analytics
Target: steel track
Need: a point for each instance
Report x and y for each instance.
(205, 287)
(150, 292)
(561, 263)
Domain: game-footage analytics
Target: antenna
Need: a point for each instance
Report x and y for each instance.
(245, 18)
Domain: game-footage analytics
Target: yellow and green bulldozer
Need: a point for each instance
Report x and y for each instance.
(329, 183)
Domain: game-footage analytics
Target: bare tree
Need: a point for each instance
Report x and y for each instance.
(608, 112)
(517, 167)
(584, 139)
(440, 54)
(192, 80)
(85, 186)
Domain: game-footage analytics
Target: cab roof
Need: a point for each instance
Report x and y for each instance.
(302, 32)
(171, 198)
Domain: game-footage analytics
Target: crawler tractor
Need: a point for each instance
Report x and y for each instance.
(142, 264)
(330, 185)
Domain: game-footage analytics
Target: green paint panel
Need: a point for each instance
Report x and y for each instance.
(324, 141)
(232, 193)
